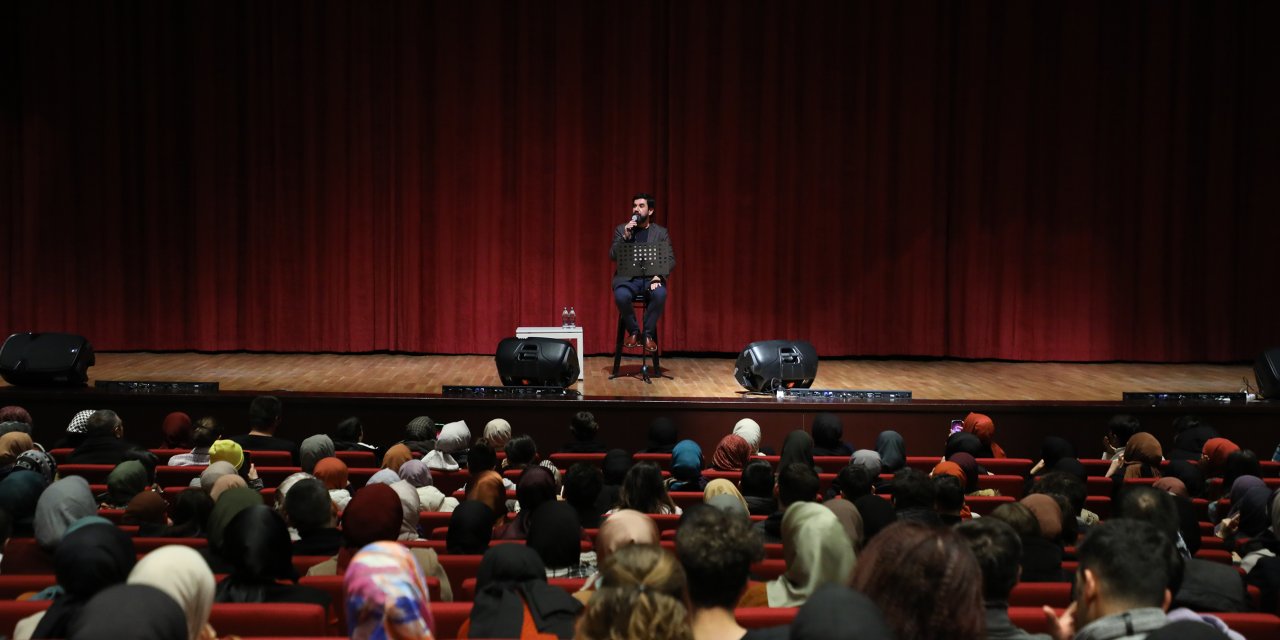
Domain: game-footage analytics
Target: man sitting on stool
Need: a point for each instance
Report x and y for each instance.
(642, 229)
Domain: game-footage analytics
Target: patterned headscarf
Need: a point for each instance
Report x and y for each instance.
(80, 422)
(387, 595)
(39, 462)
(732, 454)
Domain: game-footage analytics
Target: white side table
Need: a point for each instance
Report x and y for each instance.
(559, 333)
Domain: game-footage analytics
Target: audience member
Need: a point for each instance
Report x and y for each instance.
(387, 594)
(733, 453)
(60, 505)
(828, 434)
(265, 415)
(226, 508)
(418, 475)
(1121, 585)
(420, 435)
(314, 449)
(1192, 478)
(1213, 458)
(686, 467)
(836, 612)
(1250, 498)
(556, 535)
(982, 426)
(757, 484)
(333, 473)
(817, 552)
(77, 430)
(617, 463)
(310, 511)
(94, 556)
(212, 474)
(1042, 553)
(190, 515)
(14, 413)
(513, 599)
(723, 495)
(497, 432)
(583, 428)
(643, 491)
(535, 488)
(176, 431)
(1070, 487)
(37, 461)
(749, 430)
(206, 432)
(149, 512)
(521, 452)
(663, 436)
(796, 483)
(1239, 464)
(396, 456)
(716, 551)
(470, 528)
(1140, 459)
(349, 436)
(182, 574)
(961, 442)
(582, 486)
(892, 450)
(486, 485)
(972, 472)
(876, 512)
(256, 545)
(850, 519)
(1119, 429)
(949, 501)
(642, 595)
(134, 611)
(1053, 450)
(410, 507)
(914, 497)
(1190, 436)
(123, 483)
(104, 442)
(19, 493)
(624, 527)
(998, 550)
(925, 581)
(797, 448)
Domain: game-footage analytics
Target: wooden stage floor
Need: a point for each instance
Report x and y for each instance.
(703, 377)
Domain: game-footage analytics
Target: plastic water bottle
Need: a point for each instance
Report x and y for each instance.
(564, 318)
(573, 317)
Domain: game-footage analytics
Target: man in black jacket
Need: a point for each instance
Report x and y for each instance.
(640, 229)
(104, 442)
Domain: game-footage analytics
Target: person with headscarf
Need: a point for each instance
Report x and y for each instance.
(536, 487)
(39, 462)
(19, 493)
(134, 611)
(722, 487)
(225, 483)
(961, 442)
(256, 544)
(76, 431)
(190, 515)
(797, 448)
(180, 572)
(387, 595)
(615, 466)
(749, 430)
(555, 534)
(663, 436)
(211, 474)
(1213, 457)
(282, 491)
(396, 456)
(175, 431)
(333, 473)
(828, 432)
(1141, 459)
(497, 432)
(867, 459)
(982, 426)
(972, 471)
(63, 503)
(14, 413)
(313, 450)
(95, 556)
(470, 528)
(731, 454)
(836, 611)
(1248, 516)
(418, 475)
(1053, 450)
(850, 519)
(625, 527)
(12, 445)
(513, 598)
(893, 451)
(410, 506)
(1042, 553)
(1190, 438)
(686, 467)
(817, 551)
(311, 514)
(420, 435)
(453, 439)
(149, 512)
(228, 506)
(123, 483)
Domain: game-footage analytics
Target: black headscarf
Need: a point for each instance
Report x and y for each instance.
(971, 470)
(1189, 475)
(827, 434)
(615, 466)
(511, 576)
(470, 528)
(877, 513)
(836, 612)
(256, 544)
(554, 533)
(797, 448)
(662, 436)
(1073, 467)
(88, 560)
(134, 611)
(964, 443)
(892, 450)
(536, 487)
(1189, 444)
(1055, 449)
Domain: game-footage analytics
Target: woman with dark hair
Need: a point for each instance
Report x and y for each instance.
(892, 450)
(555, 534)
(256, 544)
(513, 599)
(1190, 435)
(686, 468)
(615, 466)
(757, 488)
(536, 487)
(643, 491)
(662, 436)
(925, 581)
(190, 515)
(470, 528)
(828, 432)
(1052, 451)
(797, 448)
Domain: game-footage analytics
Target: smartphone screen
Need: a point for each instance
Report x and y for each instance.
(957, 426)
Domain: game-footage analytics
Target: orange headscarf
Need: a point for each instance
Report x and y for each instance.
(488, 489)
(1217, 450)
(948, 468)
(395, 457)
(332, 472)
(982, 426)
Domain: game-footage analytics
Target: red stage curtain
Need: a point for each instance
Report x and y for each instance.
(1021, 180)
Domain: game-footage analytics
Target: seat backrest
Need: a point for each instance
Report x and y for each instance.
(13, 586)
(1006, 466)
(1007, 485)
(147, 545)
(768, 569)
(269, 619)
(167, 476)
(566, 460)
(12, 611)
(1253, 625)
(1035, 594)
(984, 505)
(271, 458)
(761, 617)
(24, 556)
(93, 473)
(358, 459)
(449, 617)
(460, 567)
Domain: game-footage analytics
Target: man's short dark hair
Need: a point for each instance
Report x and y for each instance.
(481, 457)
(102, 423)
(582, 485)
(1130, 560)
(1157, 508)
(999, 552)
(308, 505)
(854, 481)
(521, 450)
(265, 412)
(652, 201)
(797, 483)
(1123, 426)
(716, 550)
(1062, 484)
(757, 480)
(949, 493)
(349, 430)
(913, 489)
(583, 426)
(420, 429)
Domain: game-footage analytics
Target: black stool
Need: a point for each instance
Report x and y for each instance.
(639, 302)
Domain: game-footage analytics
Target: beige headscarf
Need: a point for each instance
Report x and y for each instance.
(229, 481)
(624, 527)
(497, 432)
(748, 430)
(723, 487)
(180, 572)
(817, 552)
(14, 444)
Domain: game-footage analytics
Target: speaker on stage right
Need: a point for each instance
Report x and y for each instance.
(769, 365)
(1266, 371)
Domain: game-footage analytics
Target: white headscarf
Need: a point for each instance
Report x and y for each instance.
(497, 432)
(748, 430)
(453, 438)
(817, 551)
(182, 573)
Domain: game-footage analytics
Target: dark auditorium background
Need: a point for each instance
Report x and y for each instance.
(1049, 180)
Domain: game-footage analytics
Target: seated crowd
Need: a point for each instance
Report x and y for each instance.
(854, 543)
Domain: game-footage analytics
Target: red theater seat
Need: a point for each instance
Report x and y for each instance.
(1095, 466)
(684, 499)
(13, 586)
(1007, 466)
(566, 460)
(1254, 626)
(768, 569)
(449, 481)
(167, 476)
(1035, 594)
(271, 458)
(273, 619)
(94, 473)
(302, 563)
(467, 592)
(460, 567)
(1215, 555)
(1007, 485)
(984, 505)
(147, 545)
(12, 611)
(761, 617)
(661, 459)
(358, 459)
(448, 617)
(24, 556)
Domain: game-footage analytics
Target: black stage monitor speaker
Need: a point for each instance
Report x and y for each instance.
(539, 362)
(773, 364)
(52, 359)
(1267, 373)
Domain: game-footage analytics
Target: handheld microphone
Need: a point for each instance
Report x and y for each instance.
(635, 217)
